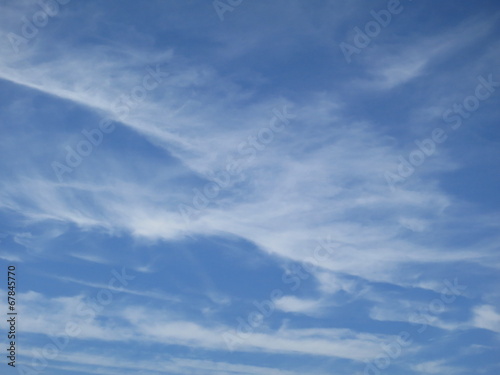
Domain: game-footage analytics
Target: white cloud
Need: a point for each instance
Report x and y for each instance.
(436, 367)
(90, 258)
(486, 317)
(11, 258)
(293, 304)
(398, 64)
(109, 364)
(147, 293)
(303, 187)
(50, 315)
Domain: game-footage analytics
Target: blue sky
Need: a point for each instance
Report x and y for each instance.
(251, 187)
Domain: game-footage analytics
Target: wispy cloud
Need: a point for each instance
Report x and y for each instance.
(316, 184)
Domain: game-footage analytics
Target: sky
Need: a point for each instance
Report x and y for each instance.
(238, 187)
